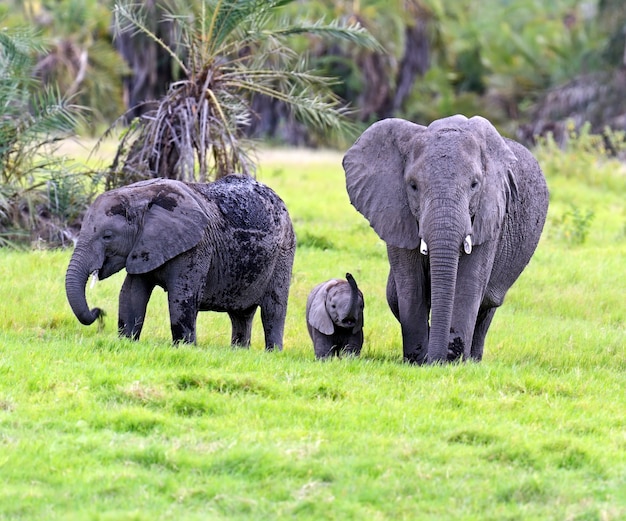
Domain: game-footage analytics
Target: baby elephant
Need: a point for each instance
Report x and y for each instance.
(334, 317)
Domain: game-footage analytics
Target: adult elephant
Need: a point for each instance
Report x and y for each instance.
(461, 209)
(224, 246)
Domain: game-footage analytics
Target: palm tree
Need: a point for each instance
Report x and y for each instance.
(226, 51)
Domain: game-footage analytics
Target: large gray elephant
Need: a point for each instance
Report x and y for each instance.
(224, 246)
(334, 317)
(461, 210)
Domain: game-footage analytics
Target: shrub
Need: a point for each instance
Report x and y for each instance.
(40, 195)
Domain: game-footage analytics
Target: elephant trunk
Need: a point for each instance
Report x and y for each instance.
(445, 235)
(75, 281)
(354, 297)
(443, 270)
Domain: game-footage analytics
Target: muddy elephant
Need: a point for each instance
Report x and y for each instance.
(225, 246)
(461, 210)
(334, 317)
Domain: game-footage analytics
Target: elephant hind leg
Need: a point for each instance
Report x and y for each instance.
(483, 321)
(242, 326)
(183, 316)
(273, 314)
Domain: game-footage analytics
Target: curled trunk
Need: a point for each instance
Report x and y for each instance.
(75, 283)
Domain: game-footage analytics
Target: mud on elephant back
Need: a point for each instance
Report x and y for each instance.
(225, 246)
(461, 209)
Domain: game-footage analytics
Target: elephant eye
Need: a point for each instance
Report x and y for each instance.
(475, 184)
(413, 185)
(107, 236)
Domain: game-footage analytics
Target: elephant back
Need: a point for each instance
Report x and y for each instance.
(245, 203)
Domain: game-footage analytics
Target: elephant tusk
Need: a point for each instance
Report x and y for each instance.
(94, 279)
(423, 247)
(467, 244)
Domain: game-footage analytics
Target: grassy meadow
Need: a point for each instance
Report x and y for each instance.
(95, 427)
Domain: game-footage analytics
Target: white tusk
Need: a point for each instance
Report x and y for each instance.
(94, 279)
(423, 247)
(467, 244)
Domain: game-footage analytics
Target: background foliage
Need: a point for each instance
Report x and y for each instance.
(496, 57)
(286, 71)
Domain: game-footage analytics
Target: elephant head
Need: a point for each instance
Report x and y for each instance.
(442, 189)
(138, 227)
(336, 303)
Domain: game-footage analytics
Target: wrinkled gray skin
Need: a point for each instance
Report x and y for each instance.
(334, 317)
(461, 210)
(225, 246)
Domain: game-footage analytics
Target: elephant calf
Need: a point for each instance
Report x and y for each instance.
(224, 246)
(334, 317)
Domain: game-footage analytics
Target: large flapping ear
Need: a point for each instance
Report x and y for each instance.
(173, 222)
(374, 168)
(316, 314)
(499, 185)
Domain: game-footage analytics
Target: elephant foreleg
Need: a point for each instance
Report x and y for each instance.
(133, 301)
(323, 345)
(470, 292)
(408, 298)
(353, 344)
(241, 326)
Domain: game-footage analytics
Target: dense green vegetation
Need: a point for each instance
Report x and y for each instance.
(94, 427)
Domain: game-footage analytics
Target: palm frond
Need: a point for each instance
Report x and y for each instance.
(231, 14)
(352, 32)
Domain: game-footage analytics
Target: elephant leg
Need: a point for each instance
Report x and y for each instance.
(472, 279)
(323, 345)
(241, 326)
(133, 301)
(353, 344)
(273, 314)
(183, 315)
(392, 296)
(274, 303)
(485, 316)
(408, 298)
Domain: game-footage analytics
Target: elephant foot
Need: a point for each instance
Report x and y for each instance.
(416, 357)
(456, 348)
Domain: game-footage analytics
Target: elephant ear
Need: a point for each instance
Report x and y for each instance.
(499, 185)
(173, 222)
(374, 168)
(316, 314)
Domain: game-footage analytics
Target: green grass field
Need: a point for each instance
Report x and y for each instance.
(99, 428)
